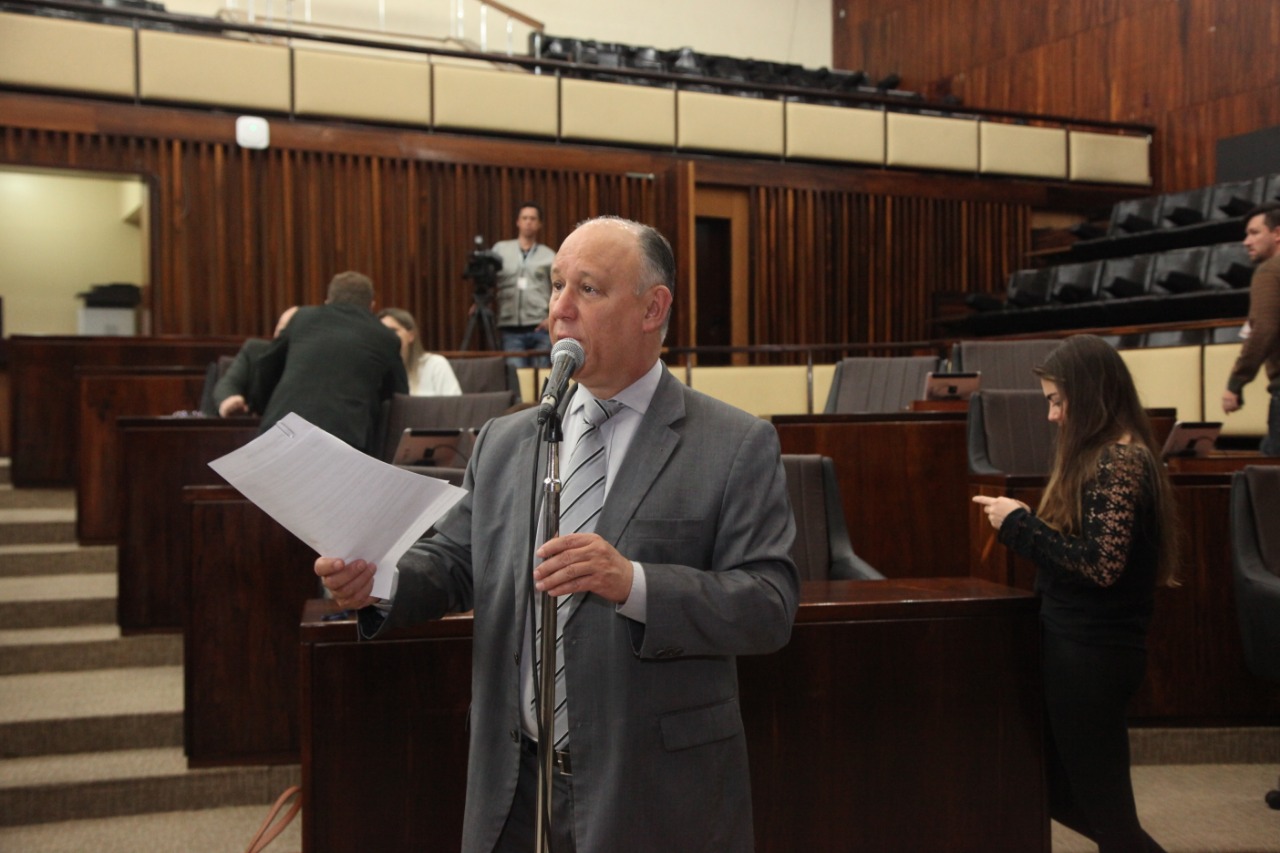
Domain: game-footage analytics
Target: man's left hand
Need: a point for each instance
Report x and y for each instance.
(583, 562)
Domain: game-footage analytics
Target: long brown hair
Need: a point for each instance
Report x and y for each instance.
(1101, 408)
(413, 356)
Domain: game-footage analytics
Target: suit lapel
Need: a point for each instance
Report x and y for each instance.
(651, 447)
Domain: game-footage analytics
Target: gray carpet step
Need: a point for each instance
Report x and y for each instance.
(127, 782)
(27, 526)
(223, 830)
(65, 558)
(11, 498)
(58, 601)
(67, 712)
(88, 647)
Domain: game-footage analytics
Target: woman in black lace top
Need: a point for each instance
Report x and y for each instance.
(1102, 538)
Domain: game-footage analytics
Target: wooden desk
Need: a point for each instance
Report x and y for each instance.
(159, 456)
(903, 715)
(248, 579)
(107, 393)
(903, 481)
(42, 373)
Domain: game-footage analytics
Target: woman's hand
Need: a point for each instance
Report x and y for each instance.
(998, 508)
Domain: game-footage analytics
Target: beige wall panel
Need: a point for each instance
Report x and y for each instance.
(763, 390)
(729, 123)
(55, 54)
(1110, 158)
(1250, 420)
(835, 133)
(823, 376)
(931, 142)
(216, 71)
(1010, 149)
(1168, 377)
(361, 87)
(497, 101)
(617, 112)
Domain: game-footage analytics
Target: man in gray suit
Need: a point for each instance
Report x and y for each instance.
(688, 567)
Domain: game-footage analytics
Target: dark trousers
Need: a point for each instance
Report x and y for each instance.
(1087, 690)
(518, 836)
(1271, 444)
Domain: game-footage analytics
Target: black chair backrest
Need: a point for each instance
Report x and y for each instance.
(1126, 277)
(1009, 433)
(1180, 270)
(876, 385)
(1190, 207)
(1134, 216)
(465, 410)
(822, 550)
(1003, 364)
(1234, 198)
(1229, 266)
(1074, 283)
(485, 374)
(1255, 559)
(1029, 288)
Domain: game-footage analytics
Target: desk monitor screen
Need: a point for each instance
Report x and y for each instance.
(950, 386)
(1191, 438)
(440, 448)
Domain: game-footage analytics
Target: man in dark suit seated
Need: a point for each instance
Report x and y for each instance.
(333, 364)
(229, 393)
(684, 565)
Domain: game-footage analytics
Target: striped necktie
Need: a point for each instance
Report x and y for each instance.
(581, 499)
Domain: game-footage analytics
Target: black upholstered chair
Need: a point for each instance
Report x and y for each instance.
(1029, 288)
(822, 550)
(482, 375)
(1180, 270)
(1003, 364)
(465, 410)
(1074, 283)
(1009, 432)
(878, 384)
(1255, 563)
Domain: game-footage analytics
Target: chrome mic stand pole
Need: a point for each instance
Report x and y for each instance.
(547, 647)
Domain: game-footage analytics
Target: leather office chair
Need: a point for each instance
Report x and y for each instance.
(1009, 433)
(1255, 564)
(1003, 364)
(822, 550)
(481, 375)
(466, 410)
(878, 384)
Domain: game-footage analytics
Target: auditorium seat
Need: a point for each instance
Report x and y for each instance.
(488, 373)
(1003, 364)
(1191, 207)
(888, 384)
(1229, 266)
(1133, 216)
(1009, 432)
(1234, 199)
(1029, 288)
(822, 550)
(1126, 277)
(465, 410)
(1179, 270)
(1073, 283)
(1255, 563)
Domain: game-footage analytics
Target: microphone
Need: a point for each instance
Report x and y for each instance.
(566, 358)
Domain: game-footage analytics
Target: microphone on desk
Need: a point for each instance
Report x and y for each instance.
(566, 358)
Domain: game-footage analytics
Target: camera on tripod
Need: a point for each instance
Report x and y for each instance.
(482, 269)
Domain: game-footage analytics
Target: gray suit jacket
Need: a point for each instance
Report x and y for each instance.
(659, 754)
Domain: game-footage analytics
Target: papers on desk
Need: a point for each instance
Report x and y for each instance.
(341, 502)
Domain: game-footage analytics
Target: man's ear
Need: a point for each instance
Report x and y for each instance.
(659, 305)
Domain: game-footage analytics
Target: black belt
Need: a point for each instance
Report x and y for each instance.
(559, 757)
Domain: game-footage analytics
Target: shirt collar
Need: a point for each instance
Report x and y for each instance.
(638, 395)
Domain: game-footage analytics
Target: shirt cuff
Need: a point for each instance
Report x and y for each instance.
(636, 607)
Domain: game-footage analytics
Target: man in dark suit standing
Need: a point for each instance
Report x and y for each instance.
(333, 364)
(687, 567)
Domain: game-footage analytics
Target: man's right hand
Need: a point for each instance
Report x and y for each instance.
(349, 583)
(1230, 402)
(233, 405)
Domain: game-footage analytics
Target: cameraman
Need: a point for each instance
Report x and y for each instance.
(524, 288)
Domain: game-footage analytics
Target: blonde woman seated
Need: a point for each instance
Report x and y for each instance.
(429, 373)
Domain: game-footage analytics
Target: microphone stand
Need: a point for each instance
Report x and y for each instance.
(547, 666)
